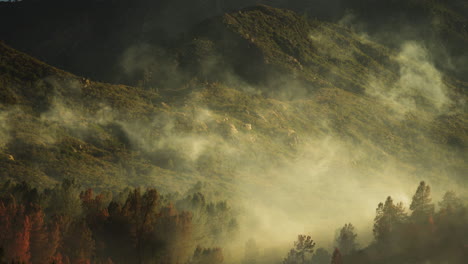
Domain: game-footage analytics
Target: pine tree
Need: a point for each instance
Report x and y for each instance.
(346, 241)
(302, 247)
(421, 204)
(388, 218)
(450, 203)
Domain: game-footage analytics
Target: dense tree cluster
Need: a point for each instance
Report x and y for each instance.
(67, 225)
(422, 235)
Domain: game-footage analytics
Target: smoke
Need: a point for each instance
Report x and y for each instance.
(420, 85)
(291, 163)
(4, 129)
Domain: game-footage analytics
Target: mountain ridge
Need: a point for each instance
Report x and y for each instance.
(218, 124)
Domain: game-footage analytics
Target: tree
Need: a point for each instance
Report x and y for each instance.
(302, 247)
(41, 249)
(321, 256)
(15, 231)
(174, 230)
(421, 204)
(20, 246)
(336, 258)
(251, 252)
(346, 241)
(207, 256)
(450, 203)
(65, 199)
(79, 243)
(388, 217)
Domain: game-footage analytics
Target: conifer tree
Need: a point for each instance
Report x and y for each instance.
(302, 247)
(388, 217)
(346, 241)
(450, 203)
(422, 205)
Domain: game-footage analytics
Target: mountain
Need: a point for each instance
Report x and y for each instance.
(90, 38)
(269, 85)
(42, 139)
(301, 123)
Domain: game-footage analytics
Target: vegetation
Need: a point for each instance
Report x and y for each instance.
(422, 236)
(260, 105)
(66, 225)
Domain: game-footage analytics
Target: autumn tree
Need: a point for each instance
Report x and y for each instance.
(20, 245)
(79, 227)
(346, 240)
(174, 230)
(15, 231)
(336, 257)
(42, 249)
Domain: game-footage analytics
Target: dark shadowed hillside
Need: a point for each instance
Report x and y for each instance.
(90, 37)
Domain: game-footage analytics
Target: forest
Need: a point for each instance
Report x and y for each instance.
(65, 224)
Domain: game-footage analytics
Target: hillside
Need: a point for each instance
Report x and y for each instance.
(126, 135)
(303, 124)
(91, 38)
(51, 123)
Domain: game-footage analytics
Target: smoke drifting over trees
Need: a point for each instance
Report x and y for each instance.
(68, 225)
(244, 134)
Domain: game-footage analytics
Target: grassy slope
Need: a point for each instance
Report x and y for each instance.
(146, 138)
(47, 149)
(319, 53)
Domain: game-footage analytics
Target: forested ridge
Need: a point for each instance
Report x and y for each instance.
(415, 234)
(219, 131)
(66, 224)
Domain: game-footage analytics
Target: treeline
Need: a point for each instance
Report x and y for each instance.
(65, 224)
(420, 235)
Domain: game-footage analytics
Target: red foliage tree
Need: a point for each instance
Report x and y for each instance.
(15, 230)
(336, 257)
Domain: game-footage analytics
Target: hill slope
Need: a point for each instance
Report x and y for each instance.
(296, 119)
(58, 125)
